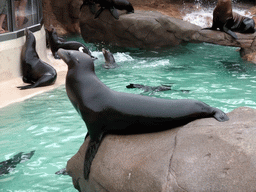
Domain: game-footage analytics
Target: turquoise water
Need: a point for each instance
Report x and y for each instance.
(49, 125)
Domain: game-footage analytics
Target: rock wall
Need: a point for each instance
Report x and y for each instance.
(63, 15)
(204, 155)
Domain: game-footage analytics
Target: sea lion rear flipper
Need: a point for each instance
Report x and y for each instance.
(114, 12)
(45, 80)
(90, 153)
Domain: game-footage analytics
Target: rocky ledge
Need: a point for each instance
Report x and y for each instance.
(150, 29)
(204, 155)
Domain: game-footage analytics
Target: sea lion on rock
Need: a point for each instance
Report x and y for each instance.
(228, 21)
(111, 5)
(35, 71)
(55, 44)
(110, 62)
(105, 111)
(91, 4)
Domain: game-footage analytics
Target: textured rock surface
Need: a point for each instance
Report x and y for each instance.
(204, 155)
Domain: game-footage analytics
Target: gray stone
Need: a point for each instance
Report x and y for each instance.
(204, 155)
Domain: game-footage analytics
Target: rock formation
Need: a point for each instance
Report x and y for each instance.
(204, 155)
(149, 29)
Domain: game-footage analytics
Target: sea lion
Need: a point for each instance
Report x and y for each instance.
(35, 71)
(105, 111)
(153, 89)
(146, 88)
(56, 43)
(9, 165)
(110, 62)
(91, 4)
(111, 5)
(228, 21)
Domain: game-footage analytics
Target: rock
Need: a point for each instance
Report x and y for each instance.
(204, 155)
(63, 15)
(150, 29)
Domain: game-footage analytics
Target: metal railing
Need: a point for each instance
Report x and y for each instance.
(21, 14)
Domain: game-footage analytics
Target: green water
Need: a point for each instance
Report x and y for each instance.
(49, 125)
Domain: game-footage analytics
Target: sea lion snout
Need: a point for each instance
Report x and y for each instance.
(64, 55)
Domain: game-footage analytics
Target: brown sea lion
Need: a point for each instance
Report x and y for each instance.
(228, 21)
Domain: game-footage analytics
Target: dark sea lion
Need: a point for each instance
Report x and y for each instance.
(35, 71)
(110, 62)
(56, 43)
(111, 5)
(91, 4)
(9, 165)
(228, 21)
(105, 111)
(146, 88)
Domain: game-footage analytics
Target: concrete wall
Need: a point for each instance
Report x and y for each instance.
(10, 55)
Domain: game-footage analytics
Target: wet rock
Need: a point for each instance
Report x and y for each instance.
(204, 155)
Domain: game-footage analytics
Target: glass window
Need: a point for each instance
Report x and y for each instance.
(15, 15)
(25, 13)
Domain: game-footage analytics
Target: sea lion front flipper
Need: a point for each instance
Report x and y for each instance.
(99, 12)
(220, 115)
(90, 153)
(226, 28)
(92, 8)
(114, 12)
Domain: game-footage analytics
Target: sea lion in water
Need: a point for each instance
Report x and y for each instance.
(9, 165)
(105, 111)
(146, 88)
(35, 71)
(55, 44)
(110, 62)
(228, 21)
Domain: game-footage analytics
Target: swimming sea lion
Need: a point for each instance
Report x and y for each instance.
(35, 71)
(9, 165)
(230, 22)
(110, 62)
(56, 43)
(105, 111)
(146, 88)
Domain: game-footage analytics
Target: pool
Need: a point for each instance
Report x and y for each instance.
(49, 124)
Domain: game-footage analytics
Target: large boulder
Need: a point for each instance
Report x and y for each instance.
(150, 29)
(204, 155)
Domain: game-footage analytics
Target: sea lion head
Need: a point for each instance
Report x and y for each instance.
(77, 60)
(30, 38)
(109, 58)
